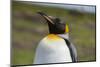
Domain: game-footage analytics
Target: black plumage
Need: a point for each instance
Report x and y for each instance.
(55, 24)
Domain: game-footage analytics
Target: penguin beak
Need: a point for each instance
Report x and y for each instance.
(46, 17)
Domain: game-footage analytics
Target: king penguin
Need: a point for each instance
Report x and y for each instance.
(55, 47)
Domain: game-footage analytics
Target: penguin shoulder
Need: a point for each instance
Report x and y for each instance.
(52, 41)
(52, 38)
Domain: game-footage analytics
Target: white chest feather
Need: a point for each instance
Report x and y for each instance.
(52, 51)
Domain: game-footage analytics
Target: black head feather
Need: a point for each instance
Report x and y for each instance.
(55, 25)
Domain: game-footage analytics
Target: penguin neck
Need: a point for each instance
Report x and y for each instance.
(65, 36)
(56, 28)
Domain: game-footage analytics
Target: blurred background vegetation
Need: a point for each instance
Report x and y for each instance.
(28, 28)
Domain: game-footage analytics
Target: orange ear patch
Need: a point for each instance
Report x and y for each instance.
(66, 29)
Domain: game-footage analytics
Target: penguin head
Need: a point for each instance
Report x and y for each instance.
(55, 24)
(58, 27)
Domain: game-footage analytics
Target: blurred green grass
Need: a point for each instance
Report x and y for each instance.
(28, 29)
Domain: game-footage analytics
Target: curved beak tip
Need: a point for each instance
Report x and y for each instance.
(48, 18)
